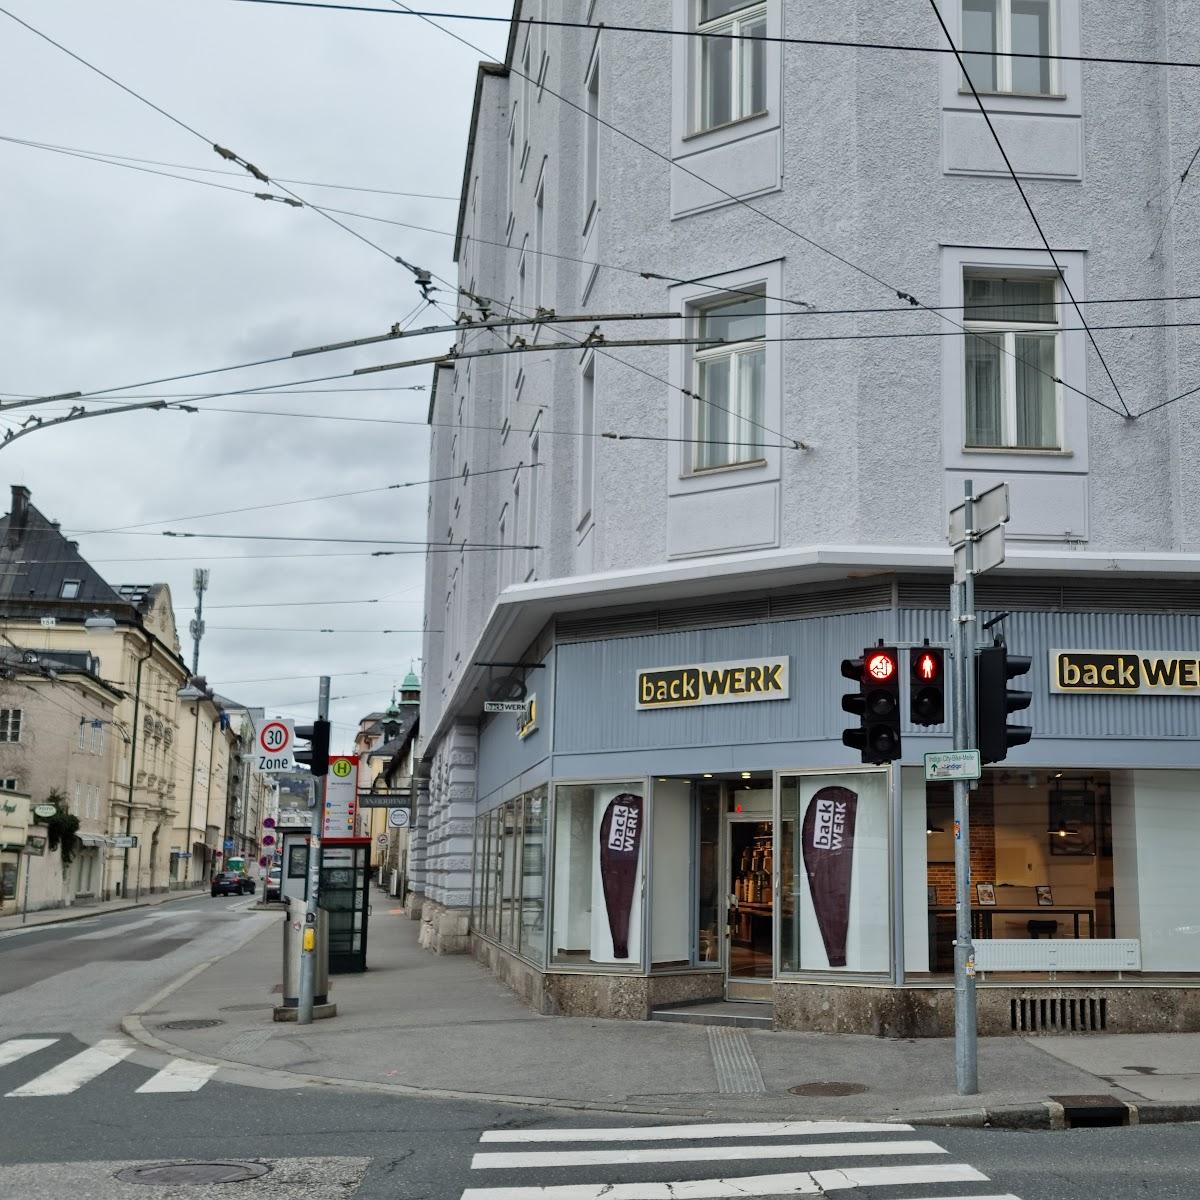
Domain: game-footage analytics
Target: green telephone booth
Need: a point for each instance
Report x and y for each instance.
(343, 895)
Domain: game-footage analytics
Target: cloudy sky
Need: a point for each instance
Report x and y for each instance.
(111, 277)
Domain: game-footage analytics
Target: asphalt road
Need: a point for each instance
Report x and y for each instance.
(78, 1102)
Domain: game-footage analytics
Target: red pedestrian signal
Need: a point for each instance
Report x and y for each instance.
(926, 690)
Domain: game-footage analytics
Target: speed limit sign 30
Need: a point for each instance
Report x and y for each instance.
(274, 743)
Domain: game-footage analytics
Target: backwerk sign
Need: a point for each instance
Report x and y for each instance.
(1126, 672)
(713, 683)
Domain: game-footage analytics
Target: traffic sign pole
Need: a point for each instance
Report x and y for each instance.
(308, 954)
(962, 608)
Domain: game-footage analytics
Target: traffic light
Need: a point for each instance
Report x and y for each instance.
(316, 758)
(927, 685)
(994, 700)
(877, 704)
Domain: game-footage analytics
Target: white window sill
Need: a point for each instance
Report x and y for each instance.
(699, 133)
(708, 472)
(1015, 95)
(1028, 451)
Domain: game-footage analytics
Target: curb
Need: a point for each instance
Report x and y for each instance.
(84, 913)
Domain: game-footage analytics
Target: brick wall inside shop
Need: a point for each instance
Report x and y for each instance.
(983, 852)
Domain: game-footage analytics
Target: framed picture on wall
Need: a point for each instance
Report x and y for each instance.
(985, 893)
(1045, 897)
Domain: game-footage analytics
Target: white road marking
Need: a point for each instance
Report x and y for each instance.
(663, 1133)
(76, 1071)
(856, 1177)
(19, 1047)
(799, 1183)
(118, 930)
(606, 1158)
(180, 1075)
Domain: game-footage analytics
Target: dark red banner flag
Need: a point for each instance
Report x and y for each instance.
(828, 846)
(620, 841)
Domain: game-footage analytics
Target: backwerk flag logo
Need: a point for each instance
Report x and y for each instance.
(1126, 672)
(828, 847)
(713, 683)
(620, 841)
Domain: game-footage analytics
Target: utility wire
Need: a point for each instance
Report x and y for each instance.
(291, 629)
(421, 276)
(105, 155)
(336, 541)
(304, 604)
(677, 166)
(937, 12)
(1175, 200)
(838, 43)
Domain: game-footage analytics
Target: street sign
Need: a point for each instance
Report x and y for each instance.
(952, 764)
(228, 845)
(274, 744)
(398, 818)
(989, 553)
(44, 810)
(504, 706)
(268, 822)
(990, 510)
(125, 841)
(268, 839)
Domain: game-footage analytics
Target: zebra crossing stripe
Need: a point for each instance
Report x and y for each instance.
(664, 1154)
(664, 1133)
(180, 1075)
(69, 1076)
(799, 1183)
(18, 1048)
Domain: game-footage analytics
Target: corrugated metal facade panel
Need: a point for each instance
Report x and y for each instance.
(1088, 716)
(502, 755)
(597, 685)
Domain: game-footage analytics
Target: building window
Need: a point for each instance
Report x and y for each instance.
(82, 733)
(591, 142)
(539, 248)
(731, 74)
(532, 505)
(992, 29)
(70, 589)
(8, 785)
(597, 835)
(587, 442)
(730, 382)
(1012, 358)
(10, 724)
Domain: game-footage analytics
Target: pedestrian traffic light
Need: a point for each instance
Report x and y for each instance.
(877, 704)
(316, 758)
(994, 700)
(927, 685)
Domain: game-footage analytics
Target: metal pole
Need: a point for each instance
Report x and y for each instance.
(137, 702)
(25, 903)
(966, 1064)
(308, 955)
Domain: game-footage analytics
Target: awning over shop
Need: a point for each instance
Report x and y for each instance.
(92, 839)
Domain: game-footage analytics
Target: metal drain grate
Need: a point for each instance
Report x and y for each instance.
(192, 1023)
(1059, 1014)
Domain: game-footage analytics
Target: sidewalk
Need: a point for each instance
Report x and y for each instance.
(77, 912)
(444, 1027)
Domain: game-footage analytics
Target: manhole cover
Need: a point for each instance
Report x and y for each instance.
(828, 1089)
(193, 1172)
(192, 1023)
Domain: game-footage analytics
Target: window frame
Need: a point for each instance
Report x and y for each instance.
(10, 724)
(586, 460)
(1004, 66)
(74, 585)
(754, 10)
(1007, 332)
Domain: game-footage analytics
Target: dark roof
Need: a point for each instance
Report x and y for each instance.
(406, 719)
(36, 561)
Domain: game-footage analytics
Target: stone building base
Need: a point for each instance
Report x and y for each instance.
(414, 902)
(444, 930)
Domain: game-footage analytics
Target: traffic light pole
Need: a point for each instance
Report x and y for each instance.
(962, 609)
(308, 955)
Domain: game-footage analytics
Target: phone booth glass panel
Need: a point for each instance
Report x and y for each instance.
(343, 895)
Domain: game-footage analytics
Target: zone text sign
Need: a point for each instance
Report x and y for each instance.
(274, 741)
(1126, 672)
(713, 683)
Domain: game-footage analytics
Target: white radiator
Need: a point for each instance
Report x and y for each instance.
(1058, 954)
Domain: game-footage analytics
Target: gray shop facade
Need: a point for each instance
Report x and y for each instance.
(646, 829)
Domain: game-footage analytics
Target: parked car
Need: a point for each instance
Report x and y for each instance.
(248, 883)
(274, 884)
(228, 883)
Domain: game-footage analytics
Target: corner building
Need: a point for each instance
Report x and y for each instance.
(767, 495)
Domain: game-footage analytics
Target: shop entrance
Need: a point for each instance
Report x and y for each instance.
(749, 894)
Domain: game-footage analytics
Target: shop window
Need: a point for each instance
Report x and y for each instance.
(495, 839)
(510, 851)
(477, 850)
(671, 874)
(533, 875)
(597, 893)
(833, 872)
(731, 69)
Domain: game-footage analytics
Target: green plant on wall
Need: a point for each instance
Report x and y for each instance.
(62, 828)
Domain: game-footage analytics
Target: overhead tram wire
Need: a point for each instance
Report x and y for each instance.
(1174, 200)
(937, 12)
(835, 43)
(333, 541)
(835, 255)
(420, 275)
(106, 155)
